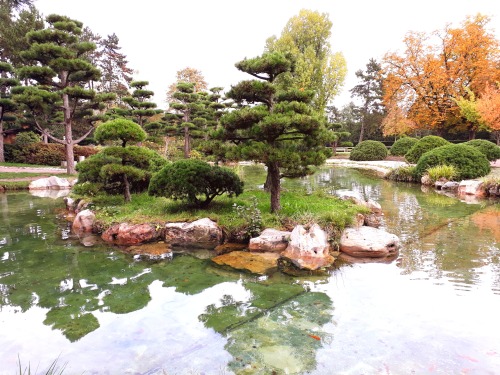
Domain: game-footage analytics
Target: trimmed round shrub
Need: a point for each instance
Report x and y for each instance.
(403, 145)
(368, 150)
(423, 145)
(489, 149)
(468, 161)
(194, 181)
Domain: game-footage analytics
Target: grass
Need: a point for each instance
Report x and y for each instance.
(17, 175)
(21, 165)
(54, 369)
(297, 208)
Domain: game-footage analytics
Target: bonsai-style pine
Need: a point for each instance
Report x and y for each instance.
(120, 169)
(277, 128)
(194, 181)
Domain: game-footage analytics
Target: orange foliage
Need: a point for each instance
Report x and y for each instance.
(488, 107)
(428, 76)
(396, 122)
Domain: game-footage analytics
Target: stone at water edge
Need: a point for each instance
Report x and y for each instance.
(309, 249)
(471, 187)
(261, 263)
(368, 242)
(52, 182)
(125, 234)
(270, 240)
(83, 222)
(202, 233)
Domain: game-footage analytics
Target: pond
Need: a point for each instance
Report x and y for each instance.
(95, 310)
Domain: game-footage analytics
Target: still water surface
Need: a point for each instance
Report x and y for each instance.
(434, 310)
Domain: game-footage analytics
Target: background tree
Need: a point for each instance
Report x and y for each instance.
(488, 106)
(369, 90)
(305, 39)
(7, 105)
(277, 128)
(426, 78)
(141, 108)
(59, 73)
(187, 75)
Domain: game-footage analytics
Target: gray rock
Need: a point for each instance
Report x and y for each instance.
(368, 242)
(83, 222)
(270, 240)
(50, 183)
(202, 233)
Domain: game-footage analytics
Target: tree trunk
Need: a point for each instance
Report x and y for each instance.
(472, 134)
(273, 172)
(361, 131)
(187, 143)
(68, 136)
(126, 190)
(2, 156)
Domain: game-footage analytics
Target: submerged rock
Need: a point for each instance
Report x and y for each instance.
(157, 250)
(309, 249)
(258, 263)
(270, 240)
(131, 234)
(202, 233)
(368, 242)
(229, 247)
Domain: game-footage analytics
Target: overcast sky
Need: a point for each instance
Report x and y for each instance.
(160, 37)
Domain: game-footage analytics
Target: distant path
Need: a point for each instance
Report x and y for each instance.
(41, 170)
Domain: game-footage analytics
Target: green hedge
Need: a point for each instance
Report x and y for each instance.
(469, 162)
(368, 150)
(425, 144)
(489, 149)
(403, 145)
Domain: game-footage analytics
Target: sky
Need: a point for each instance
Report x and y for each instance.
(161, 37)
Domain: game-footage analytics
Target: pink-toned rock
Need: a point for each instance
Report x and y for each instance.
(471, 187)
(309, 249)
(368, 242)
(83, 222)
(373, 220)
(258, 263)
(125, 234)
(270, 240)
(374, 207)
(202, 233)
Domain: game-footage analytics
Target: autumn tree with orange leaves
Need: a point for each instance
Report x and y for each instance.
(436, 69)
(187, 75)
(488, 107)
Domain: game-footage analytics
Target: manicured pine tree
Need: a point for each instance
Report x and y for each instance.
(141, 108)
(7, 105)
(277, 128)
(59, 73)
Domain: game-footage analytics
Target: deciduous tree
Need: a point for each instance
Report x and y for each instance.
(187, 75)
(305, 39)
(488, 106)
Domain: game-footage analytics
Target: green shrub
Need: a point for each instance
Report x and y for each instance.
(89, 189)
(448, 172)
(402, 146)
(346, 144)
(405, 173)
(469, 162)
(425, 144)
(489, 149)
(43, 154)
(368, 150)
(26, 138)
(195, 181)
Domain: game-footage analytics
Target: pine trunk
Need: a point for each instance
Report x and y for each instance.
(273, 172)
(2, 156)
(68, 136)
(126, 190)
(187, 143)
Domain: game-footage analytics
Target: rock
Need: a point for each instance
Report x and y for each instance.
(84, 222)
(156, 250)
(258, 263)
(202, 233)
(349, 195)
(471, 187)
(359, 220)
(230, 246)
(50, 183)
(426, 180)
(373, 220)
(270, 240)
(350, 259)
(125, 234)
(89, 240)
(70, 204)
(82, 205)
(308, 249)
(368, 242)
(374, 207)
(450, 185)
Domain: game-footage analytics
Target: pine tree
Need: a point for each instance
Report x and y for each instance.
(7, 105)
(140, 106)
(59, 72)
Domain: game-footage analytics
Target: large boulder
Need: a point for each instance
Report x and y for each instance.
(125, 234)
(270, 240)
(471, 187)
(258, 263)
(83, 222)
(368, 242)
(202, 233)
(50, 183)
(308, 249)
